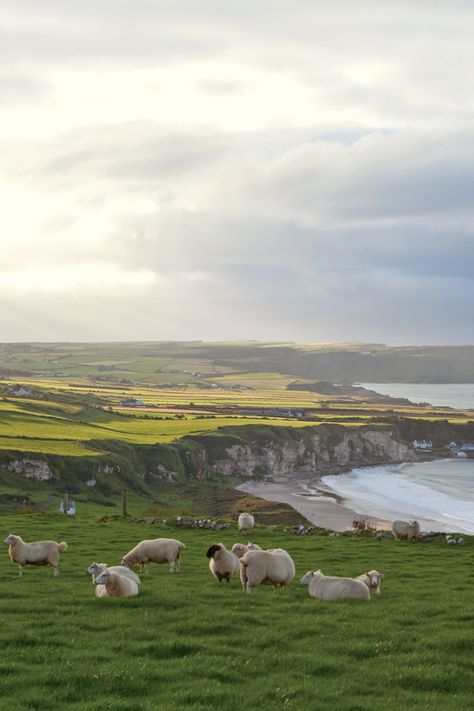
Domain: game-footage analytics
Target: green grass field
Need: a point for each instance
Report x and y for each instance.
(187, 642)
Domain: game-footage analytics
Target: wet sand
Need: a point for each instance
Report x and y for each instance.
(316, 502)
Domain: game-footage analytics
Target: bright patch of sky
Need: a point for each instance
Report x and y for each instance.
(273, 170)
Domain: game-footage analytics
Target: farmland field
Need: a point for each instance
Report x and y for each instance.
(188, 642)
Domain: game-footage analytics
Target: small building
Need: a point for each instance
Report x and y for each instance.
(71, 508)
(132, 402)
(422, 444)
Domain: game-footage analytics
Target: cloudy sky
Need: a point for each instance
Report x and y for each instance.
(266, 169)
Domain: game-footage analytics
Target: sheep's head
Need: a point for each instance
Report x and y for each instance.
(9, 540)
(214, 550)
(96, 568)
(239, 549)
(103, 578)
(374, 578)
(306, 579)
(125, 562)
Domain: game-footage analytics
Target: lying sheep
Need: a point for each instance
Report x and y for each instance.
(156, 550)
(405, 529)
(245, 522)
(111, 584)
(95, 569)
(241, 549)
(223, 563)
(38, 553)
(258, 567)
(372, 579)
(327, 587)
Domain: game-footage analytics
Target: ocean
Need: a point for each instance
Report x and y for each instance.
(439, 492)
(457, 395)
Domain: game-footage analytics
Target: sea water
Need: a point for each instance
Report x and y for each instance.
(439, 492)
(457, 395)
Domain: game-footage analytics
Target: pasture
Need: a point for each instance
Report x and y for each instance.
(188, 642)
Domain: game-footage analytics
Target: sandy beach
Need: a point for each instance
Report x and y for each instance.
(317, 503)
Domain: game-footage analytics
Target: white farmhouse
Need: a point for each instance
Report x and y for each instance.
(422, 444)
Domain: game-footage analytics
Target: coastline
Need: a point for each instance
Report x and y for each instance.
(316, 502)
(324, 507)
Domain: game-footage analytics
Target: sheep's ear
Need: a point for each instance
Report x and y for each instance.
(381, 575)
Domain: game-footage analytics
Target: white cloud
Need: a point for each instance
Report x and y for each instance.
(265, 170)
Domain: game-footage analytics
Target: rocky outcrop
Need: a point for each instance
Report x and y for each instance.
(31, 468)
(320, 453)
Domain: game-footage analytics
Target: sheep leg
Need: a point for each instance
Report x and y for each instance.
(55, 572)
(20, 570)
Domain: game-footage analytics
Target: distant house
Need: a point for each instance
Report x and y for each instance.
(20, 391)
(469, 447)
(71, 508)
(132, 402)
(422, 444)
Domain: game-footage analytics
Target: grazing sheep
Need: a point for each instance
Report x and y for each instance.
(372, 579)
(405, 529)
(110, 584)
(223, 563)
(38, 553)
(328, 587)
(241, 549)
(245, 522)
(156, 550)
(274, 567)
(95, 569)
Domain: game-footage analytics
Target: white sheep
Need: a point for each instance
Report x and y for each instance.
(95, 569)
(245, 522)
(156, 550)
(110, 584)
(275, 567)
(372, 579)
(223, 563)
(405, 529)
(241, 549)
(37, 553)
(328, 587)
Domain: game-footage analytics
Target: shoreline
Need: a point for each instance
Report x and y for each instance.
(317, 503)
(323, 507)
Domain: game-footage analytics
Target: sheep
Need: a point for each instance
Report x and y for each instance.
(372, 579)
(405, 529)
(245, 522)
(223, 563)
(95, 569)
(258, 567)
(111, 584)
(327, 587)
(241, 549)
(156, 550)
(37, 553)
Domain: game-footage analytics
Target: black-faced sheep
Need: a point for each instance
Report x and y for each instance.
(223, 564)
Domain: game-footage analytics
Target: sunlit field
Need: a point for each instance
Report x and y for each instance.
(188, 642)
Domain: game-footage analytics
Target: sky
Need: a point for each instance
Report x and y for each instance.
(268, 169)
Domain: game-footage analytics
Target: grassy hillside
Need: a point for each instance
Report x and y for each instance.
(198, 362)
(188, 642)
